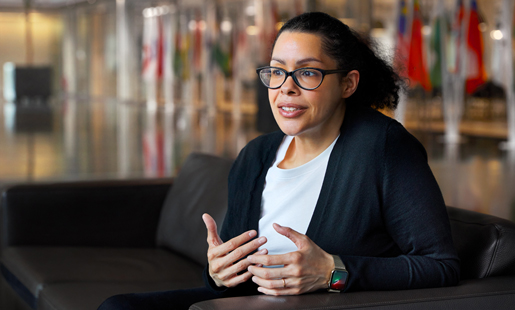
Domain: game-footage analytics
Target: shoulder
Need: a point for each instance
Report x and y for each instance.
(258, 150)
(366, 128)
(372, 130)
(369, 120)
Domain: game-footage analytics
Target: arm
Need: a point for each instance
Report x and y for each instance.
(415, 217)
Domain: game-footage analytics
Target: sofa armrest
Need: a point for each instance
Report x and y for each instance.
(487, 293)
(95, 213)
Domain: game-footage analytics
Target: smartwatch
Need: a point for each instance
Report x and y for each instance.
(339, 276)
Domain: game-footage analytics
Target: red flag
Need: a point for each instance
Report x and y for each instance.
(476, 70)
(160, 48)
(417, 71)
(197, 44)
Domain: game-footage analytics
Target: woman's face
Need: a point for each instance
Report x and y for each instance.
(306, 113)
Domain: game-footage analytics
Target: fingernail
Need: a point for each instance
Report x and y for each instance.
(252, 233)
(262, 240)
(253, 279)
(263, 251)
(260, 289)
(277, 224)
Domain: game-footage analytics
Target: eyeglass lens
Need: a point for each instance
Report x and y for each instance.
(306, 78)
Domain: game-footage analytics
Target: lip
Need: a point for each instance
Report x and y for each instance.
(290, 114)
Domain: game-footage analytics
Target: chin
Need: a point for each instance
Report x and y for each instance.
(289, 131)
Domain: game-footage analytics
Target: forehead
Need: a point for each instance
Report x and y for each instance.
(294, 46)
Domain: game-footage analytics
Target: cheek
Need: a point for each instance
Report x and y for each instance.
(272, 95)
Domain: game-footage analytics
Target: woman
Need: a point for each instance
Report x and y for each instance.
(342, 198)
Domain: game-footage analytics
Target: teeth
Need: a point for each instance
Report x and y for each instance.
(289, 109)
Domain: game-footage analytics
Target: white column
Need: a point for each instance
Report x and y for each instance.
(123, 50)
(507, 62)
(170, 30)
(453, 88)
(124, 73)
(69, 51)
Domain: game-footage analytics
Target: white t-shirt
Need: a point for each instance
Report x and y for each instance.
(289, 197)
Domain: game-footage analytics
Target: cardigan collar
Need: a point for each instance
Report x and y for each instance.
(323, 201)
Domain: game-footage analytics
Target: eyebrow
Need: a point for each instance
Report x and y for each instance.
(298, 62)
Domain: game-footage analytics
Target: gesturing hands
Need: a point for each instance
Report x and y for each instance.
(226, 266)
(305, 270)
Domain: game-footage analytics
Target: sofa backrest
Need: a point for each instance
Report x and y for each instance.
(200, 187)
(485, 243)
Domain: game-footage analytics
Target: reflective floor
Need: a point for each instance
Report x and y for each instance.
(77, 140)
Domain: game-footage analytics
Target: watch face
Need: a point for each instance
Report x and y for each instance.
(338, 280)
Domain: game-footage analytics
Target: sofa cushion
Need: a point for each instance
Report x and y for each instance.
(484, 243)
(200, 187)
(89, 295)
(36, 267)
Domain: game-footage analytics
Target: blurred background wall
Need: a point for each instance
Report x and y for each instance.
(138, 84)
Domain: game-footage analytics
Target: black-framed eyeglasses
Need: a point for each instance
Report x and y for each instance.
(306, 78)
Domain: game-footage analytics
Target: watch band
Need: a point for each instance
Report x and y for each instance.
(339, 276)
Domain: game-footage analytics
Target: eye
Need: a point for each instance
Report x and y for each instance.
(308, 73)
(277, 72)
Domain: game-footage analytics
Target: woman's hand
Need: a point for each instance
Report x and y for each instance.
(225, 259)
(305, 270)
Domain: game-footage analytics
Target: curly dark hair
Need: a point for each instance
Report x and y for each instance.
(379, 84)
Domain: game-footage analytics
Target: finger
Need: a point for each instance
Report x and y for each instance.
(233, 270)
(273, 260)
(238, 267)
(238, 279)
(293, 235)
(280, 292)
(213, 239)
(233, 244)
(270, 284)
(268, 273)
(246, 249)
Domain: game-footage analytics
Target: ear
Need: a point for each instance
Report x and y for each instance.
(350, 83)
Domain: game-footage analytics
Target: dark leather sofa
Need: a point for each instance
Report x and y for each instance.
(71, 245)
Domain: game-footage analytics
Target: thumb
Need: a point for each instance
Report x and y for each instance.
(213, 239)
(291, 234)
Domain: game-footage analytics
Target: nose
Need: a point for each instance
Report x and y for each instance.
(289, 87)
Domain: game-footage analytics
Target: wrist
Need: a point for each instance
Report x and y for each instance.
(328, 269)
(339, 276)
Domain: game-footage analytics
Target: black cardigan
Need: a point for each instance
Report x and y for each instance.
(380, 208)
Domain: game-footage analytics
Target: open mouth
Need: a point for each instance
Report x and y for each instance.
(289, 109)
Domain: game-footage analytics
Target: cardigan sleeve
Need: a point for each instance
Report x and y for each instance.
(415, 216)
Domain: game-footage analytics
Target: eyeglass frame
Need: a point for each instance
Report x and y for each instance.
(291, 73)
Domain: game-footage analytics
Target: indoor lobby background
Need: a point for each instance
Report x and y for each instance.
(137, 85)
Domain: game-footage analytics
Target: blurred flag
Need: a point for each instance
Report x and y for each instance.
(149, 55)
(222, 59)
(439, 24)
(455, 38)
(197, 43)
(476, 74)
(417, 71)
(160, 47)
(402, 44)
(177, 62)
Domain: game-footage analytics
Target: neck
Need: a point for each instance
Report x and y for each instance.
(308, 146)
